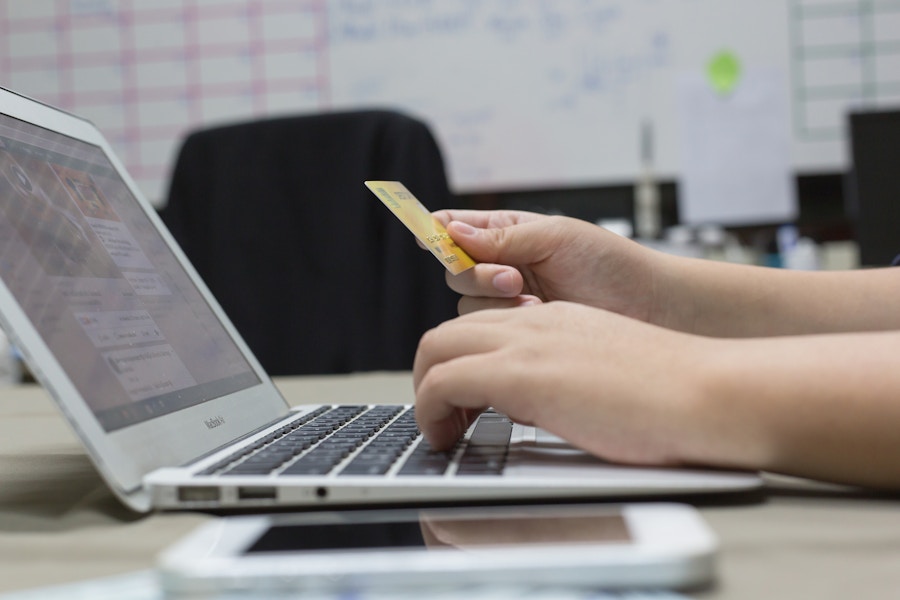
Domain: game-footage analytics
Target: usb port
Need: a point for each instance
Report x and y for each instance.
(256, 493)
(198, 494)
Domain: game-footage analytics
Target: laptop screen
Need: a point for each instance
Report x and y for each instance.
(105, 292)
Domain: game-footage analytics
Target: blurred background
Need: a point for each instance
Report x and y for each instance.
(693, 124)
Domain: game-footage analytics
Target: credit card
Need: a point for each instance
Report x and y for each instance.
(422, 223)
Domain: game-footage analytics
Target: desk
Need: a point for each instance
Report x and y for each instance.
(59, 523)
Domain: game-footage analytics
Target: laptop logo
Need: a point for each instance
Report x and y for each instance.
(214, 422)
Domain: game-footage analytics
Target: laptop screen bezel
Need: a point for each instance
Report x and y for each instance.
(126, 455)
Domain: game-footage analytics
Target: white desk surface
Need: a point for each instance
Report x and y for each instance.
(59, 523)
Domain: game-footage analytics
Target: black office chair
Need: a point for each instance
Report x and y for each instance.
(316, 274)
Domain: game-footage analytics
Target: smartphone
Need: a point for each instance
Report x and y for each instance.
(628, 546)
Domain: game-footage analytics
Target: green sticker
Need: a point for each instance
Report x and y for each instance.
(724, 72)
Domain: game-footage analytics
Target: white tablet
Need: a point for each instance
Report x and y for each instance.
(647, 546)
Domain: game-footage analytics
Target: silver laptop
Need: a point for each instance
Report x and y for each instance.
(169, 402)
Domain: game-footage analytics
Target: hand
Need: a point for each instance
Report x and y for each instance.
(526, 258)
(618, 388)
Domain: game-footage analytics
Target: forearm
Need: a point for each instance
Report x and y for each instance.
(727, 300)
(824, 407)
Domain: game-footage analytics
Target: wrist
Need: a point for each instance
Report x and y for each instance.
(672, 295)
(723, 423)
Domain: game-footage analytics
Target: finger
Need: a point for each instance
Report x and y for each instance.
(487, 280)
(478, 218)
(471, 304)
(486, 218)
(452, 394)
(520, 244)
(442, 414)
(482, 218)
(471, 334)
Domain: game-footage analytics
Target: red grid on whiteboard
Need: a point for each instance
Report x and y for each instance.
(146, 73)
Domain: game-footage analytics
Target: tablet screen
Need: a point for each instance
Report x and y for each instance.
(445, 532)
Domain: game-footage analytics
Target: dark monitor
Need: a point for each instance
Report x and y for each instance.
(873, 193)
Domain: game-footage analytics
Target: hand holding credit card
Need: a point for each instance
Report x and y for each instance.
(422, 223)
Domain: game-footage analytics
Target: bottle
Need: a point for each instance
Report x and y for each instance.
(646, 192)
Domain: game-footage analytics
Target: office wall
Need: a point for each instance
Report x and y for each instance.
(522, 93)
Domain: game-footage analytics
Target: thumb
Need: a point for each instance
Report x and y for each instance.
(519, 244)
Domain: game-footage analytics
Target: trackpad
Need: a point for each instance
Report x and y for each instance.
(542, 437)
(545, 454)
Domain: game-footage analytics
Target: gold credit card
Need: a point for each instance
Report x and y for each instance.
(422, 223)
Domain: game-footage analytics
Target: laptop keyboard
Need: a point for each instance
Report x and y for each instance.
(368, 440)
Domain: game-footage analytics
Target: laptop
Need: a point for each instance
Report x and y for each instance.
(169, 402)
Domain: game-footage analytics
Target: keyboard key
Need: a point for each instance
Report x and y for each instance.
(355, 468)
(487, 447)
(308, 468)
(424, 460)
(491, 432)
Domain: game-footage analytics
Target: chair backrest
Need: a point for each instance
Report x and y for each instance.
(315, 273)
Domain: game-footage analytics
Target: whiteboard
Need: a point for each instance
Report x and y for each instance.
(520, 93)
(544, 94)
